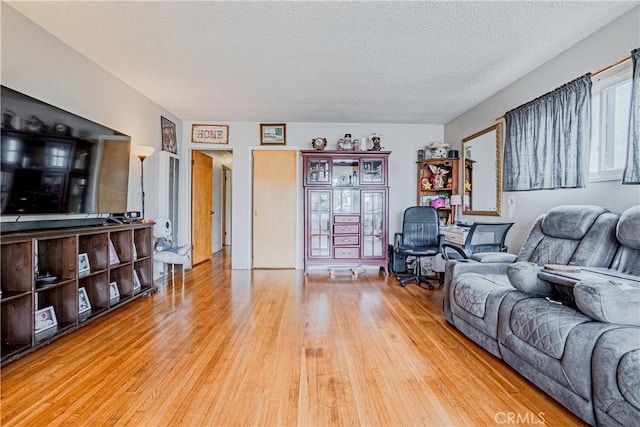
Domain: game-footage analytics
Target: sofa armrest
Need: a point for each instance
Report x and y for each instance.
(607, 300)
(609, 374)
(455, 268)
(494, 257)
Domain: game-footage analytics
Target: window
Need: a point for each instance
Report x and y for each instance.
(611, 103)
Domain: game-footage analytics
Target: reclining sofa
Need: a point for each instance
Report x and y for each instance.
(564, 312)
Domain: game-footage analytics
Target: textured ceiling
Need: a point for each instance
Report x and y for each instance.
(357, 62)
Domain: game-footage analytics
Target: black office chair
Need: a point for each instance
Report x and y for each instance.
(420, 237)
(482, 237)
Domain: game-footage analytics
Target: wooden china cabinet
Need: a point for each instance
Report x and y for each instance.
(346, 209)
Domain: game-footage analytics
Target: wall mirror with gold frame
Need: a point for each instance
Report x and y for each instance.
(482, 159)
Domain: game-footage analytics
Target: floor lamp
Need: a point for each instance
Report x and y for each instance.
(142, 152)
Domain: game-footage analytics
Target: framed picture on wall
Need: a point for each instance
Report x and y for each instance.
(273, 134)
(169, 136)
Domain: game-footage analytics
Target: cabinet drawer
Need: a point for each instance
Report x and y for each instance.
(346, 218)
(345, 229)
(345, 240)
(346, 252)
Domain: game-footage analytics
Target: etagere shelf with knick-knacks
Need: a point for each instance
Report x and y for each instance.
(437, 182)
(346, 208)
(56, 281)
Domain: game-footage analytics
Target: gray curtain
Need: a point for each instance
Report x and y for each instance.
(547, 140)
(632, 169)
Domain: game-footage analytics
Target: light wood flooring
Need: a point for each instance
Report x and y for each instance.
(272, 348)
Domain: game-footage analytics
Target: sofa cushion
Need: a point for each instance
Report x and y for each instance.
(570, 222)
(524, 277)
(608, 300)
(629, 377)
(628, 226)
(472, 290)
(544, 325)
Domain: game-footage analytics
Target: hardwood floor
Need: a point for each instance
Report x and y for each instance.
(272, 348)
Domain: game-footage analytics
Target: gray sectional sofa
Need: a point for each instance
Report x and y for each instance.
(575, 334)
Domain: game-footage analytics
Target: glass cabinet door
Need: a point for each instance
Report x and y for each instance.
(373, 218)
(319, 217)
(346, 201)
(318, 172)
(372, 171)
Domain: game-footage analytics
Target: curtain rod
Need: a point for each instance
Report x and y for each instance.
(595, 73)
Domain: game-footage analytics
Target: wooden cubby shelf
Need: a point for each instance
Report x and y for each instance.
(41, 274)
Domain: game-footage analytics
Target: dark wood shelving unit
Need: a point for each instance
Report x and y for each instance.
(26, 256)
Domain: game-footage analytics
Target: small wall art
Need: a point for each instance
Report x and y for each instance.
(169, 136)
(273, 134)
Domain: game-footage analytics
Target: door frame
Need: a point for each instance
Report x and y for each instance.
(226, 205)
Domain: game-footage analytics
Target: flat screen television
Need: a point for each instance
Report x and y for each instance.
(58, 169)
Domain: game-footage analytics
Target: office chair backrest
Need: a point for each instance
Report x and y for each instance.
(487, 237)
(420, 227)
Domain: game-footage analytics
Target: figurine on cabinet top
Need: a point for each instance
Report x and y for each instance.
(375, 140)
(438, 149)
(319, 143)
(437, 177)
(347, 141)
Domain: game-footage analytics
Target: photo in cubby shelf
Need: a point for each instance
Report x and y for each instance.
(83, 264)
(84, 304)
(114, 293)
(136, 282)
(113, 255)
(45, 319)
(134, 251)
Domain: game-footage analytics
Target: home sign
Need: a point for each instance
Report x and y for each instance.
(210, 134)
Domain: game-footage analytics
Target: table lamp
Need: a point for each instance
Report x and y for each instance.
(142, 152)
(456, 200)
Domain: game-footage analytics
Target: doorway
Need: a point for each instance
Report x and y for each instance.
(211, 202)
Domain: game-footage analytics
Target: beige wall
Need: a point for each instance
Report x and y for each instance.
(610, 44)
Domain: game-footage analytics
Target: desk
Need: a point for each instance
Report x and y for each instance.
(455, 235)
